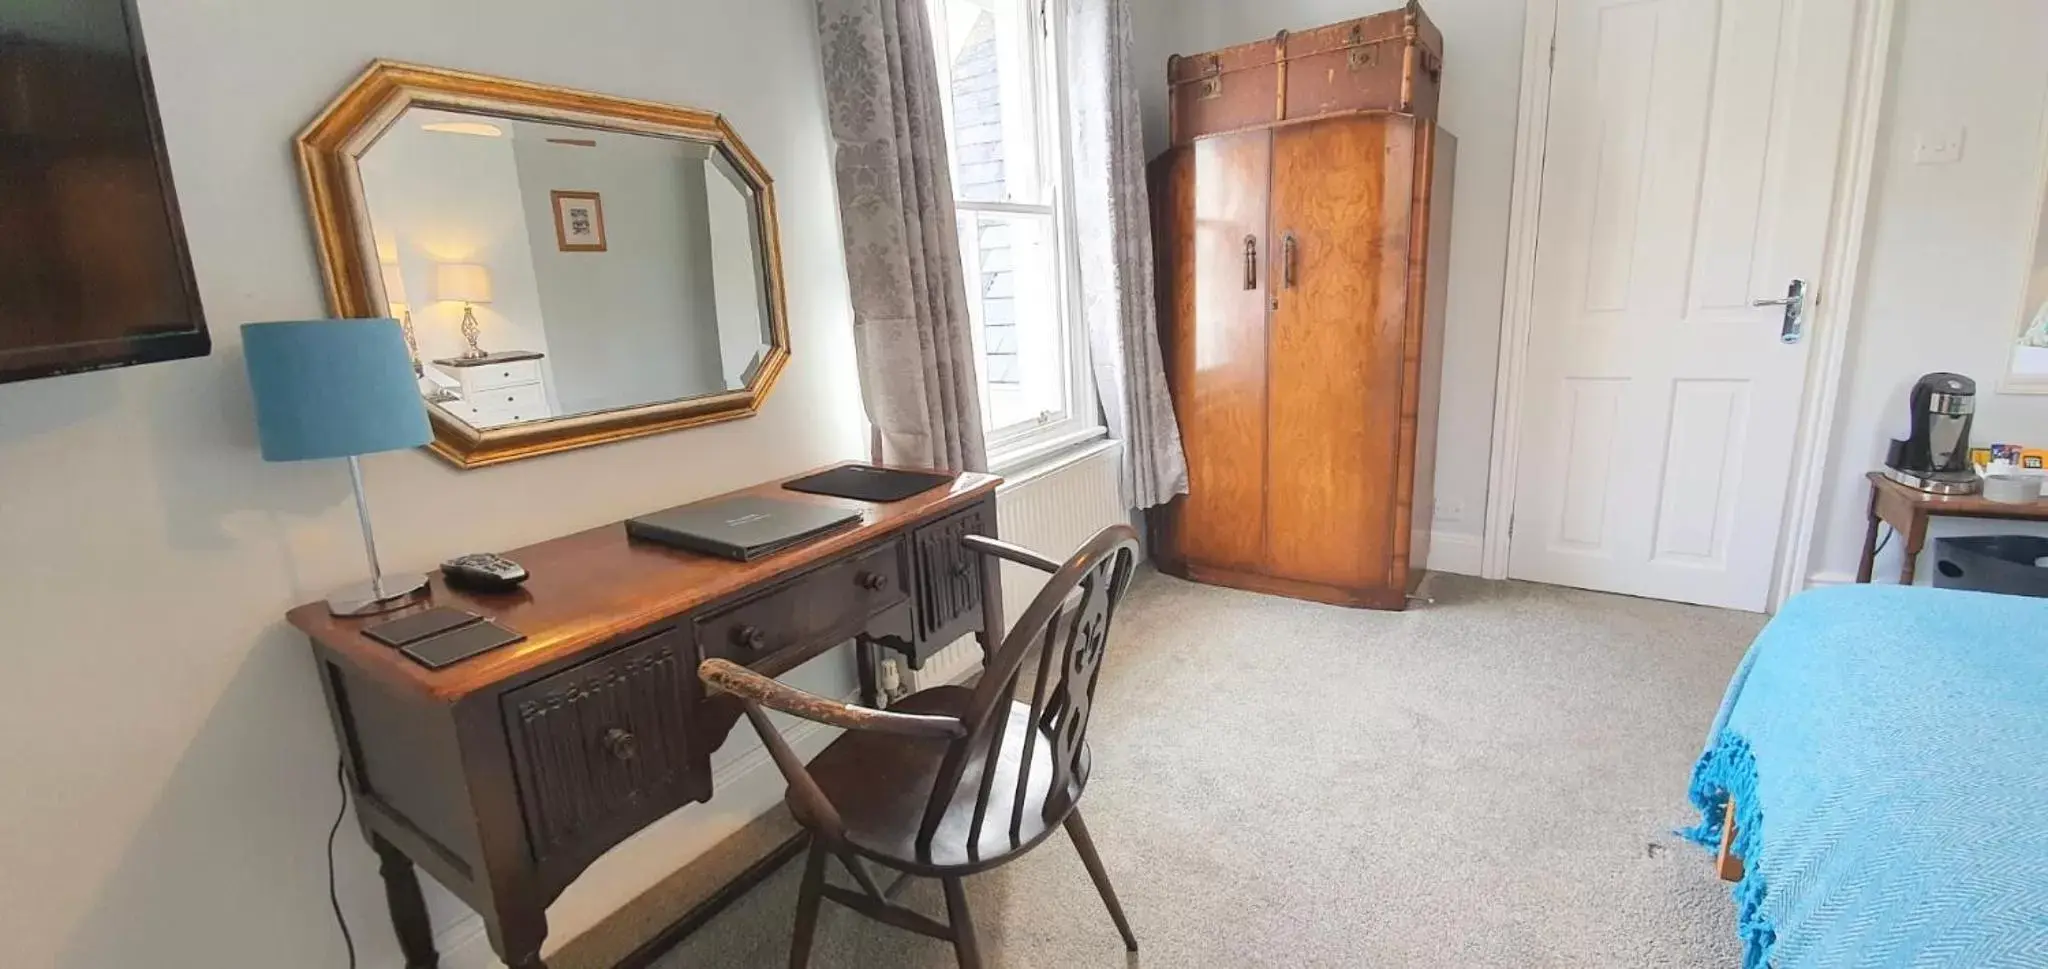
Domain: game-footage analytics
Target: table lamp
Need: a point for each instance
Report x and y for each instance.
(468, 284)
(394, 294)
(339, 389)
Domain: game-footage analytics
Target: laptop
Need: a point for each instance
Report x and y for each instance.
(741, 528)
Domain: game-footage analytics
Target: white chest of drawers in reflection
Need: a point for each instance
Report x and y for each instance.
(506, 387)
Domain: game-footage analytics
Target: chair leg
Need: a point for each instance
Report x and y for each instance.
(807, 900)
(965, 946)
(1086, 846)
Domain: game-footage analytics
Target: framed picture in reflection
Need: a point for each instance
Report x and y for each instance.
(579, 221)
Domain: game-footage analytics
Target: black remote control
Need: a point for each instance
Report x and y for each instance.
(483, 572)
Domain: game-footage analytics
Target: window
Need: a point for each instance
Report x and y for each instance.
(999, 77)
(2028, 372)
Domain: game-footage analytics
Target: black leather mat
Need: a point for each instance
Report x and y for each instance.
(863, 482)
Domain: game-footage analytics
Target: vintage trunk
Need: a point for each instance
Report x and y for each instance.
(1300, 286)
(1386, 62)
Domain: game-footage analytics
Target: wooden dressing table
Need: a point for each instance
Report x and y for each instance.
(506, 775)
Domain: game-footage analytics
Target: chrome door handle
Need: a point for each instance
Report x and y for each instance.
(1794, 302)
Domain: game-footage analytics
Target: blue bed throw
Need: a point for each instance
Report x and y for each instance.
(1887, 748)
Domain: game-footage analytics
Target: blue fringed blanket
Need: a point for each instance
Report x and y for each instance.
(1888, 752)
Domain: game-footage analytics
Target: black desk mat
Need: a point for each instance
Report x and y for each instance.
(863, 482)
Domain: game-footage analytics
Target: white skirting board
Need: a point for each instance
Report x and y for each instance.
(1052, 511)
(1455, 552)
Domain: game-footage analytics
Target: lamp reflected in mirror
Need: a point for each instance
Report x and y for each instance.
(401, 310)
(468, 284)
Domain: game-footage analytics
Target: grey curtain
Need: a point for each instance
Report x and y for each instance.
(911, 330)
(1114, 231)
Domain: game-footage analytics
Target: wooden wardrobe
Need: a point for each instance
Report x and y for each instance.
(1301, 219)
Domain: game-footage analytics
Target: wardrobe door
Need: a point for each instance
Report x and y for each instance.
(1213, 326)
(1341, 202)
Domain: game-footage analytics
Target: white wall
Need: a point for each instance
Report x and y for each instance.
(168, 766)
(1945, 262)
(1482, 79)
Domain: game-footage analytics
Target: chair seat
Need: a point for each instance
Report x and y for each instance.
(880, 783)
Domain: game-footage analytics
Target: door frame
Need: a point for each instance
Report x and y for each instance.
(1828, 326)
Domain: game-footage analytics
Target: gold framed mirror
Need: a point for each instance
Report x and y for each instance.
(571, 268)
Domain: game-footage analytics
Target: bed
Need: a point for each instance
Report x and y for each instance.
(1882, 754)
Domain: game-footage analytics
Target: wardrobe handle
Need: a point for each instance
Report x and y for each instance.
(1251, 262)
(1287, 261)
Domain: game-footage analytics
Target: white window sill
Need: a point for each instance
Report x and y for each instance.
(1028, 459)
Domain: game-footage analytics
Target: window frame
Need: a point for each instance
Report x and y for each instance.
(2013, 380)
(1020, 446)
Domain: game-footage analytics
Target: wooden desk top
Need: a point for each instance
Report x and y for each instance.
(585, 588)
(1958, 506)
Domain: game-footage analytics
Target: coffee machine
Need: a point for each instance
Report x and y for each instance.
(1935, 456)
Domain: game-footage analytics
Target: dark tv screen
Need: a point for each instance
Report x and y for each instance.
(94, 271)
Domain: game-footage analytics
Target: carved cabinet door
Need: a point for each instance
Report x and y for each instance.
(950, 580)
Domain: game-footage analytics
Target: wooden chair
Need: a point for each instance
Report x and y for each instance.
(951, 780)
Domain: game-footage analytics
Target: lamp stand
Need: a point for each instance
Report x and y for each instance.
(382, 593)
(470, 331)
(412, 345)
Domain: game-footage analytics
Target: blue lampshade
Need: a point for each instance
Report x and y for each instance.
(333, 388)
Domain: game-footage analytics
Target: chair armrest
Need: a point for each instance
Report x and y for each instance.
(1009, 552)
(748, 685)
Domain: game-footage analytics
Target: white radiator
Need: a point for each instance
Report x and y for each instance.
(1050, 511)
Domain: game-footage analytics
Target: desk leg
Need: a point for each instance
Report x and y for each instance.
(517, 937)
(864, 658)
(1868, 562)
(1916, 536)
(408, 909)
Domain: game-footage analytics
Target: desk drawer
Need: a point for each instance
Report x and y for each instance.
(527, 400)
(501, 375)
(608, 745)
(832, 602)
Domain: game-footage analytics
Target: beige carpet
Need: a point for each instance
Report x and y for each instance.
(1488, 781)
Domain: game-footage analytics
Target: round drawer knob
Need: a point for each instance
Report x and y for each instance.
(748, 637)
(872, 581)
(621, 743)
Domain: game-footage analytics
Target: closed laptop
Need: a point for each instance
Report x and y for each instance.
(741, 528)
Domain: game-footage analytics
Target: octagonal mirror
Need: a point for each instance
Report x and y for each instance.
(570, 268)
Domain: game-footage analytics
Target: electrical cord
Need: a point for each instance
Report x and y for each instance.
(1889, 531)
(334, 896)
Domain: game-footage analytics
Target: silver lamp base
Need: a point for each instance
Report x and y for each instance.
(370, 598)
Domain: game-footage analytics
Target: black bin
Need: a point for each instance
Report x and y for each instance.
(1992, 563)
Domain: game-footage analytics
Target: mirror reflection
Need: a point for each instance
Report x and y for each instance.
(546, 271)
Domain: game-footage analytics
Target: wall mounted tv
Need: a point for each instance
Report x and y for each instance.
(94, 271)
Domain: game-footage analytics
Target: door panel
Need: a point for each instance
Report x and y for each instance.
(1681, 180)
(1342, 189)
(1215, 336)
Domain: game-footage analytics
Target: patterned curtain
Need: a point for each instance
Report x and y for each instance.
(1114, 230)
(913, 344)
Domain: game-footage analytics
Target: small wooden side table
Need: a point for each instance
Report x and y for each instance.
(1908, 509)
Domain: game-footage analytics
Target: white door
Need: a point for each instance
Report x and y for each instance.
(1689, 170)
